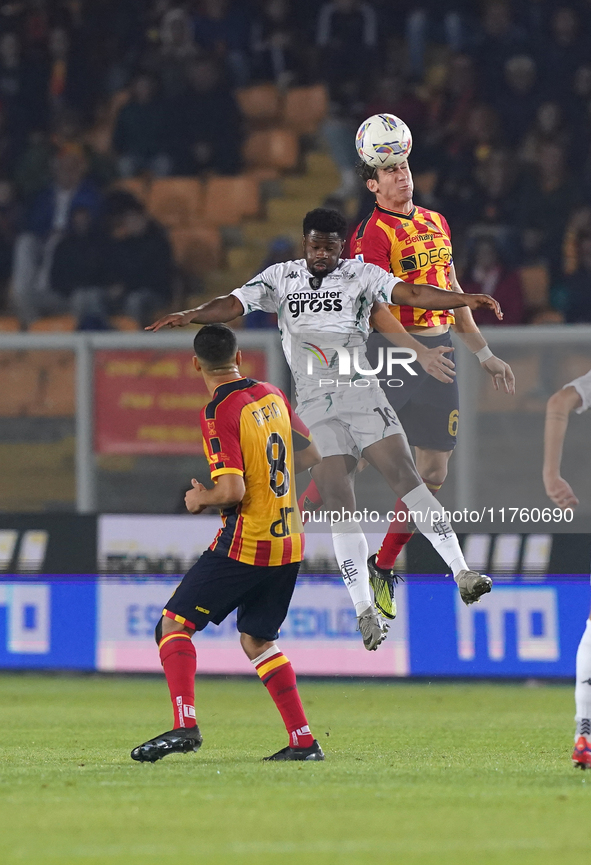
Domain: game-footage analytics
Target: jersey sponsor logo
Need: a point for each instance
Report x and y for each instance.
(422, 259)
(421, 238)
(292, 275)
(409, 263)
(280, 528)
(306, 301)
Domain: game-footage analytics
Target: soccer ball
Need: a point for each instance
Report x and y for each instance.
(383, 140)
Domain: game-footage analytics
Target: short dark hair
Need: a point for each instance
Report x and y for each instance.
(326, 221)
(215, 345)
(366, 172)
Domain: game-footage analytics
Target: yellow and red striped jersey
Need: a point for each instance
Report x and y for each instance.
(416, 248)
(249, 429)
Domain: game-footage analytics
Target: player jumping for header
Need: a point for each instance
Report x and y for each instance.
(574, 396)
(414, 244)
(324, 305)
(254, 560)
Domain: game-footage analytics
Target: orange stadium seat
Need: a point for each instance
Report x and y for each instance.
(176, 201)
(56, 323)
(535, 281)
(123, 322)
(305, 107)
(197, 250)
(19, 384)
(272, 148)
(56, 390)
(259, 104)
(43, 359)
(9, 323)
(260, 174)
(228, 199)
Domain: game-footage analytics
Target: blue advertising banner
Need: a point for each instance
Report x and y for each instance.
(526, 628)
(48, 623)
(521, 629)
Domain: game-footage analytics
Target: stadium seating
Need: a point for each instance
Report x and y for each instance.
(228, 199)
(56, 390)
(176, 201)
(304, 108)
(37, 383)
(19, 384)
(272, 148)
(260, 104)
(197, 250)
(123, 322)
(55, 323)
(9, 324)
(535, 281)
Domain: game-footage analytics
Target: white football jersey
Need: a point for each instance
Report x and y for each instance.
(316, 314)
(582, 385)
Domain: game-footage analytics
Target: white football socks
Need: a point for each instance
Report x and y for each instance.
(351, 551)
(583, 685)
(439, 533)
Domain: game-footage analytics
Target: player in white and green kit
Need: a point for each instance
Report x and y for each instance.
(325, 307)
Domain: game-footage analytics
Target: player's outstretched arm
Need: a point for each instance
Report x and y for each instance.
(429, 297)
(220, 309)
(433, 360)
(228, 490)
(558, 408)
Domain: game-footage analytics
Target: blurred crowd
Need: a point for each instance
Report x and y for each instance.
(496, 93)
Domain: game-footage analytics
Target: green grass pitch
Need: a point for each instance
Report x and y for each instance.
(453, 774)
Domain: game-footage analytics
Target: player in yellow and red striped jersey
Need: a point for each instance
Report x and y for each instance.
(253, 563)
(247, 431)
(414, 243)
(415, 247)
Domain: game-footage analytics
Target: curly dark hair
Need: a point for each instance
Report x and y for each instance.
(366, 172)
(215, 345)
(325, 221)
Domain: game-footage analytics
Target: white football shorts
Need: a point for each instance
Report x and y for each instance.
(349, 420)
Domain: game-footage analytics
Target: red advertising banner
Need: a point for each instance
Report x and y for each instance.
(148, 402)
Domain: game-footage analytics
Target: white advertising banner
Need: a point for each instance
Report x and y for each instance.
(319, 636)
(173, 542)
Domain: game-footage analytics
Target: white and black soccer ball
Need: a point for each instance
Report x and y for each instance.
(383, 140)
